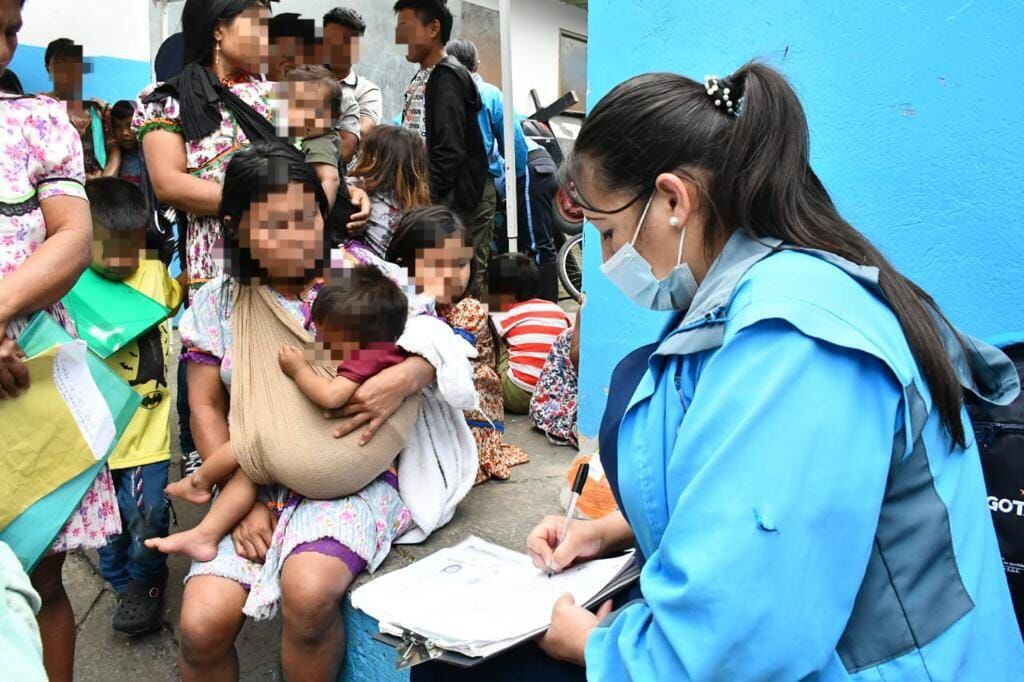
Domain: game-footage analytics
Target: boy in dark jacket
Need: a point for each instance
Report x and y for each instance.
(442, 103)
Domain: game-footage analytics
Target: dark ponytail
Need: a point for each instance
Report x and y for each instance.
(753, 167)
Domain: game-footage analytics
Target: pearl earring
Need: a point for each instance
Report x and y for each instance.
(216, 55)
(673, 222)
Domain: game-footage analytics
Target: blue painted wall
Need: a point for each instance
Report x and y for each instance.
(914, 110)
(111, 78)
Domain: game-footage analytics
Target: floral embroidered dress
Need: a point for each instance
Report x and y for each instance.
(40, 158)
(554, 405)
(206, 159)
(358, 529)
(469, 319)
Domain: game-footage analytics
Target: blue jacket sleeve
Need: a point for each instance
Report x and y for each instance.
(773, 491)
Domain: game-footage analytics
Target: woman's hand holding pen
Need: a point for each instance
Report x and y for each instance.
(585, 541)
(566, 639)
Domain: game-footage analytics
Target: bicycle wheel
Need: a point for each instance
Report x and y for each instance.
(570, 267)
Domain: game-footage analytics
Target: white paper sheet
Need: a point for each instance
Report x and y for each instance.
(73, 380)
(476, 596)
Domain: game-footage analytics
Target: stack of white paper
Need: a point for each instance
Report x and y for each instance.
(478, 598)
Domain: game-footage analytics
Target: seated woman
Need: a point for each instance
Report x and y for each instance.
(276, 207)
(358, 320)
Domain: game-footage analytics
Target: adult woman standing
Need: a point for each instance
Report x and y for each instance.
(45, 233)
(791, 458)
(272, 198)
(191, 126)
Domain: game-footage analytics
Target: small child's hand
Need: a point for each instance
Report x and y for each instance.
(291, 359)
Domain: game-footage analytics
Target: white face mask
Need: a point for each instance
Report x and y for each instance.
(634, 277)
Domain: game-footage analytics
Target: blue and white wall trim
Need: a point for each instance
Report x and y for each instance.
(115, 36)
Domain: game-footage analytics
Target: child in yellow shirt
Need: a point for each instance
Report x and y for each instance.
(140, 461)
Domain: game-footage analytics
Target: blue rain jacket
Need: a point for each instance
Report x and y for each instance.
(801, 511)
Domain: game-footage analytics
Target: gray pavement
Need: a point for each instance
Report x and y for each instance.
(502, 512)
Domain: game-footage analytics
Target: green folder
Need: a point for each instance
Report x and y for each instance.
(109, 315)
(32, 533)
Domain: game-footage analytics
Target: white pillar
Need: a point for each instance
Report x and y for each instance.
(165, 21)
(511, 207)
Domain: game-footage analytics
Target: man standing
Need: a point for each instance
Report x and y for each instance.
(343, 28)
(442, 104)
(535, 169)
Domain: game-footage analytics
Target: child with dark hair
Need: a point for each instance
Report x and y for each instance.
(130, 166)
(442, 104)
(392, 170)
(358, 319)
(527, 325)
(433, 245)
(139, 463)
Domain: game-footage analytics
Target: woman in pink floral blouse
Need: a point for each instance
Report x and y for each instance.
(45, 234)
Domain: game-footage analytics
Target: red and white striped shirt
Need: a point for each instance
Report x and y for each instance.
(530, 328)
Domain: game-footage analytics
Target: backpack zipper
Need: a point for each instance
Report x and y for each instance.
(988, 431)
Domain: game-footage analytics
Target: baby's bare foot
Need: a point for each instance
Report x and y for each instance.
(189, 489)
(191, 543)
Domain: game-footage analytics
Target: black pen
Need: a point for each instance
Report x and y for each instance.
(577, 490)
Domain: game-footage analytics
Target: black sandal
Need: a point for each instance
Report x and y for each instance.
(140, 608)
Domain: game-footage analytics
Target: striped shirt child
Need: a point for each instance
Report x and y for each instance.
(529, 328)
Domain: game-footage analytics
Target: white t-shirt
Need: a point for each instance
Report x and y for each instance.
(367, 94)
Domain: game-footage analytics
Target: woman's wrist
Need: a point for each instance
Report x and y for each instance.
(614, 534)
(418, 374)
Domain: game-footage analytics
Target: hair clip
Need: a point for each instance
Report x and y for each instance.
(719, 91)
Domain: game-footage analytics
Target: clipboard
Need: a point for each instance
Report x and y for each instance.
(412, 649)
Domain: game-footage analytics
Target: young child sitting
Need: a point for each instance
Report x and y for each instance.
(392, 170)
(468, 317)
(140, 461)
(358, 319)
(435, 248)
(528, 325)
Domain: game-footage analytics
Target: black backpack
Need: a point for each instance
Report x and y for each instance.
(1000, 435)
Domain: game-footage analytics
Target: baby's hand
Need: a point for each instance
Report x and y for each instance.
(291, 359)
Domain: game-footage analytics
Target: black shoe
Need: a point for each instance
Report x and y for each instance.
(140, 607)
(190, 461)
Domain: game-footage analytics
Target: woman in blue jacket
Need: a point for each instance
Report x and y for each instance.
(792, 458)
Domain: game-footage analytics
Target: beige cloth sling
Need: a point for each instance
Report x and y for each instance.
(278, 435)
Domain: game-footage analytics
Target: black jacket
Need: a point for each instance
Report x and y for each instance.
(455, 144)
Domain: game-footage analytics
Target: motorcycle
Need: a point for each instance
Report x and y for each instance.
(557, 136)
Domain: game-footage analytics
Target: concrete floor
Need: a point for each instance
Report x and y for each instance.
(502, 512)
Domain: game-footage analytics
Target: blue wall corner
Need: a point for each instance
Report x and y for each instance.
(914, 130)
(111, 79)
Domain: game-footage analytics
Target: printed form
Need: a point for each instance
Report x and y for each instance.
(477, 598)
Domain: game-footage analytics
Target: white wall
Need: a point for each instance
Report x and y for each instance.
(104, 28)
(535, 34)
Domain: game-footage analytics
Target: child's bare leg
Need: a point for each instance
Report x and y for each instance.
(230, 507)
(198, 488)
